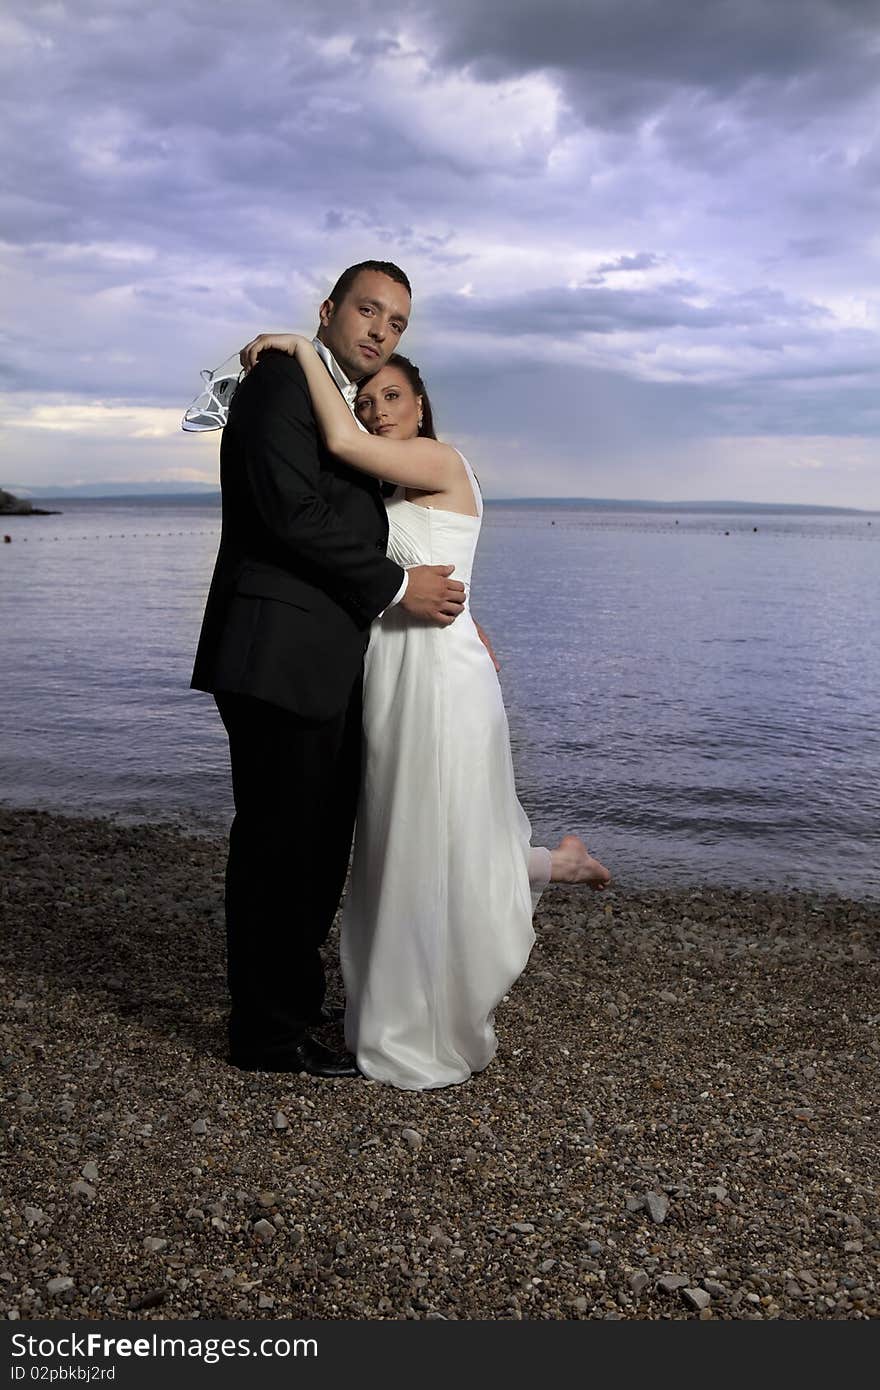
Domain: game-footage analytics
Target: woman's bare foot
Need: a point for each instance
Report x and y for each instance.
(572, 863)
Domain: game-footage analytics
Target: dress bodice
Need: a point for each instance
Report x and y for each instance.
(420, 535)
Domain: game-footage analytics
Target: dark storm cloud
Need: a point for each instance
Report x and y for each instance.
(643, 260)
(620, 58)
(561, 313)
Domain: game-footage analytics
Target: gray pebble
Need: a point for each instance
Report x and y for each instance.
(412, 1137)
(658, 1206)
(90, 1172)
(265, 1229)
(60, 1284)
(670, 1282)
(697, 1298)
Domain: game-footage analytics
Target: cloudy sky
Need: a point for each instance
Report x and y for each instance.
(643, 235)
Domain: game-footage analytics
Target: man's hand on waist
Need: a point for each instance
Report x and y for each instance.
(432, 596)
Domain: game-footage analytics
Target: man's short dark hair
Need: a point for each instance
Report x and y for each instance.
(348, 277)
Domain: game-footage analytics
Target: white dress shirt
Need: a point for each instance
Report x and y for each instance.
(349, 390)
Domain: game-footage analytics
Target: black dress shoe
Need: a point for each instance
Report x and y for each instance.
(330, 1013)
(308, 1055)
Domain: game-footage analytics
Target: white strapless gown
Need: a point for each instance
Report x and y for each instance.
(437, 922)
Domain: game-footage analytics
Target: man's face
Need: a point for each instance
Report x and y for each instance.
(365, 327)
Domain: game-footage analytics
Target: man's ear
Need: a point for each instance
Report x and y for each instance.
(325, 313)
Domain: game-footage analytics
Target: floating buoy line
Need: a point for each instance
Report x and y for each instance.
(667, 528)
(115, 536)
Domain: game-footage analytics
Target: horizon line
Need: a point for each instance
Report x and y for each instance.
(76, 492)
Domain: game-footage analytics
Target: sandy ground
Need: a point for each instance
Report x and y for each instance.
(682, 1120)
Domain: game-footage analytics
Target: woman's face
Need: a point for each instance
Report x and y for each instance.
(387, 405)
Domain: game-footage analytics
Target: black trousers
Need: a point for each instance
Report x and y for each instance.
(295, 784)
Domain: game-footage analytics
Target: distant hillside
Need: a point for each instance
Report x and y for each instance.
(157, 489)
(18, 506)
(628, 504)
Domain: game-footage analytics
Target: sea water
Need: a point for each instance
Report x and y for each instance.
(694, 692)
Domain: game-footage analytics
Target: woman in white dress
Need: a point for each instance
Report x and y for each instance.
(437, 922)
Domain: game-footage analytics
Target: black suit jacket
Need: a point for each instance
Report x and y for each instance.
(301, 571)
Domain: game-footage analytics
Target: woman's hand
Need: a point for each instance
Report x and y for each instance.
(282, 342)
(488, 645)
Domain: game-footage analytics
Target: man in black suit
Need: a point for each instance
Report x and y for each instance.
(300, 574)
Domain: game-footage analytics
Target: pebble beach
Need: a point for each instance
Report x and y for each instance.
(681, 1121)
